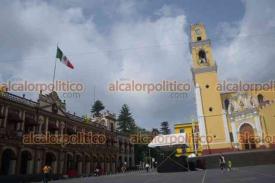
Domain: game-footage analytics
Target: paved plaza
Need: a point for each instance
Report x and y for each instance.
(255, 174)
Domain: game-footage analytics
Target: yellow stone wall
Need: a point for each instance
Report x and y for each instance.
(188, 130)
(267, 111)
(207, 82)
(206, 79)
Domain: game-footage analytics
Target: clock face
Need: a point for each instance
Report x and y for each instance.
(198, 31)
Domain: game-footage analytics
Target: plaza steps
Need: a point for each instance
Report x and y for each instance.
(238, 159)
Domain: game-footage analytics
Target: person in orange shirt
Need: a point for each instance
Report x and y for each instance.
(46, 169)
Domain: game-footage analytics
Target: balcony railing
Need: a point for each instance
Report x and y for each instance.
(18, 99)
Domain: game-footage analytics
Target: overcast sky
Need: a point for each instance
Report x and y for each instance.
(134, 40)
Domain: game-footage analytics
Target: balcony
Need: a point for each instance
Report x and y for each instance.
(14, 117)
(30, 121)
(52, 127)
(14, 134)
(18, 99)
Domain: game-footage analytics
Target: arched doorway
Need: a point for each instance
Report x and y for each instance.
(101, 163)
(247, 137)
(113, 161)
(87, 162)
(79, 164)
(26, 165)
(8, 162)
(107, 164)
(51, 161)
(70, 162)
(70, 165)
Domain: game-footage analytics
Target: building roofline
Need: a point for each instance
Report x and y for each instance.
(189, 123)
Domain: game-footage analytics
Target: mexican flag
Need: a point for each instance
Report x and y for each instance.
(63, 58)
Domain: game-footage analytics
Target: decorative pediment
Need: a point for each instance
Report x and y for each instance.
(52, 103)
(241, 102)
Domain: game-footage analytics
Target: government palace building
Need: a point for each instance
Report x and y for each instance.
(228, 120)
(20, 117)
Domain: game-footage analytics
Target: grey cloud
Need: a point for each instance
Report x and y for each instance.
(135, 48)
(250, 55)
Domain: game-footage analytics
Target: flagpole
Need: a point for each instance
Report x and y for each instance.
(94, 94)
(54, 68)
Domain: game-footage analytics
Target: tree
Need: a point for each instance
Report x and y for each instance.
(126, 123)
(86, 119)
(164, 129)
(155, 131)
(97, 107)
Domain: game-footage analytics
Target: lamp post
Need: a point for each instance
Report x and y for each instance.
(194, 136)
(150, 158)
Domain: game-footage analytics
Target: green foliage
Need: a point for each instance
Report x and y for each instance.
(164, 128)
(97, 107)
(126, 123)
(86, 119)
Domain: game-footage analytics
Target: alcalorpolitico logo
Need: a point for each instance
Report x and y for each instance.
(149, 87)
(27, 86)
(64, 139)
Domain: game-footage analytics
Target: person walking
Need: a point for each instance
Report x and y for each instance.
(222, 162)
(123, 169)
(147, 167)
(46, 169)
(229, 166)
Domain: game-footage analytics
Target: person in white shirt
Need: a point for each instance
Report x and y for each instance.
(147, 167)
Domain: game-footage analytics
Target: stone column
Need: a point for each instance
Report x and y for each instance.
(259, 129)
(46, 125)
(65, 168)
(23, 122)
(92, 163)
(38, 161)
(6, 116)
(83, 168)
(18, 161)
(234, 131)
(2, 112)
(62, 162)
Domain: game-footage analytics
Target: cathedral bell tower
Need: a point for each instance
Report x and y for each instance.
(211, 116)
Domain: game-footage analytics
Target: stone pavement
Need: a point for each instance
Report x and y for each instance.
(254, 174)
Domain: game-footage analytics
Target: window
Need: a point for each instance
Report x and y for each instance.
(231, 137)
(112, 127)
(210, 109)
(226, 104)
(260, 98)
(199, 38)
(181, 130)
(202, 57)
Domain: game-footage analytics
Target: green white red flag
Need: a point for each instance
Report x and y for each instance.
(63, 58)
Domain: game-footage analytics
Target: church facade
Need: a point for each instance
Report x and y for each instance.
(228, 120)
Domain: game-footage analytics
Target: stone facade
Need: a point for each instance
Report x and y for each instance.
(20, 116)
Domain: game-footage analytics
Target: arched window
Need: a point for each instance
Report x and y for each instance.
(202, 57)
(260, 98)
(226, 104)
